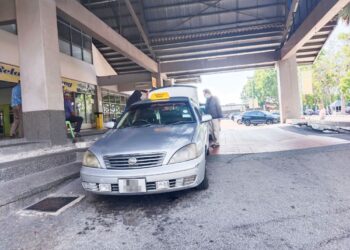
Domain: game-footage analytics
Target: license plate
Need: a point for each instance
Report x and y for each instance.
(132, 185)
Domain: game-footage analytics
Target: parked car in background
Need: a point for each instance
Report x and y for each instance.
(238, 118)
(258, 117)
(308, 112)
(347, 110)
(277, 116)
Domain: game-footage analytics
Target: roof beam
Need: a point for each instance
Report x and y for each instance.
(81, 17)
(219, 63)
(220, 12)
(289, 22)
(139, 27)
(319, 16)
(124, 79)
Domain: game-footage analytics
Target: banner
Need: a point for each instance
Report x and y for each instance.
(9, 73)
(69, 85)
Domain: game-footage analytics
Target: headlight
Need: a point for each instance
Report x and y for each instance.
(90, 160)
(186, 153)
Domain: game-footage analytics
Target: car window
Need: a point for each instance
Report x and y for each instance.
(157, 114)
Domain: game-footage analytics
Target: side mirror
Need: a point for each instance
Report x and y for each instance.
(206, 118)
(109, 125)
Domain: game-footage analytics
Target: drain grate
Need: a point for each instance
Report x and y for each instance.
(52, 204)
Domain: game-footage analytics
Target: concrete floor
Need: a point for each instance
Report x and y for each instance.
(240, 139)
(292, 199)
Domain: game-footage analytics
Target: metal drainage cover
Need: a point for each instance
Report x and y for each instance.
(54, 204)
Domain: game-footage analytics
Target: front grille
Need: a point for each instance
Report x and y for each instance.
(114, 187)
(151, 186)
(172, 183)
(142, 161)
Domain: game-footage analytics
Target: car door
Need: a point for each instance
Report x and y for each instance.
(255, 117)
(261, 117)
(202, 129)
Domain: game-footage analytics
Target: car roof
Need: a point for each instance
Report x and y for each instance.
(171, 99)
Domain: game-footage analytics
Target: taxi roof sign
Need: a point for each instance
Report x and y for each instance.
(159, 96)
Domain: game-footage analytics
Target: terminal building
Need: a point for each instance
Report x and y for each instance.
(96, 49)
(80, 65)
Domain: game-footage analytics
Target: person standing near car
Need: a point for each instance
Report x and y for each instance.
(16, 104)
(136, 96)
(213, 108)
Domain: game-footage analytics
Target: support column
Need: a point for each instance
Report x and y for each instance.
(42, 93)
(288, 89)
(168, 82)
(157, 80)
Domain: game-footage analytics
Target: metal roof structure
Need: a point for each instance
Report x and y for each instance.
(189, 30)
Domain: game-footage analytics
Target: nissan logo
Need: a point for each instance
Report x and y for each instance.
(132, 161)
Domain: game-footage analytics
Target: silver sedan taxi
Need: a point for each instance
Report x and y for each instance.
(159, 145)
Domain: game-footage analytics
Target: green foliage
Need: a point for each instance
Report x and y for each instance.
(309, 101)
(331, 72)
(345, 14)
(262, 86)
(345, 86)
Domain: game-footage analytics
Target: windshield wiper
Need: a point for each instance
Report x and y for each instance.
(179, 122)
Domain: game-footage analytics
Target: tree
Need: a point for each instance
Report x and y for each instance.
(262, 86)
(345, 86)
(345, 14)
(324, 79)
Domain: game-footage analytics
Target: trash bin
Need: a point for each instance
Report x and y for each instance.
(99, 120)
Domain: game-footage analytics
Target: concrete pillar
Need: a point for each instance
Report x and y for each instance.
(42, 93)
(99, 99)
(158, 78)
(288, 88)
(169, 82)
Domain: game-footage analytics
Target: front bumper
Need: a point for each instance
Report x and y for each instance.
(179, 176)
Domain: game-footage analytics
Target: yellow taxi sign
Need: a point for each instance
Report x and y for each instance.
(159, 96)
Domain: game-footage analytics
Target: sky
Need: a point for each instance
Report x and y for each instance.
(228, 86)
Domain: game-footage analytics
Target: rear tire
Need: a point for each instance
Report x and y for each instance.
(205, 183)
(239, 122)
(268, 122)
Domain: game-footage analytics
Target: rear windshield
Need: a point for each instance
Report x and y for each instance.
(157, 114)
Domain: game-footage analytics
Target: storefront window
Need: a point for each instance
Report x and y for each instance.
(87, 49)
(113, 106)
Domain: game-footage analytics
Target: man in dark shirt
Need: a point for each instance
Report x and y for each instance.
(70, 114)
(213, 108)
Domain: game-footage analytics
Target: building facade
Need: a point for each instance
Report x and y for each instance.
(80, 63)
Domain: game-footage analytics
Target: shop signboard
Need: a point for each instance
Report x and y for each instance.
(9, 73)
(70, 85)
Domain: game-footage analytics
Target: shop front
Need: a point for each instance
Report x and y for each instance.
(83, 98)
(9, 76)
(113, 104)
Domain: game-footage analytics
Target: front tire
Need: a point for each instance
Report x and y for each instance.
(205, 183)
(268, 122)
(247, 123)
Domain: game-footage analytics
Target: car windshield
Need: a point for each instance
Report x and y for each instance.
(149, 114)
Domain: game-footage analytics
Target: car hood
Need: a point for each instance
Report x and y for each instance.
(145, 140)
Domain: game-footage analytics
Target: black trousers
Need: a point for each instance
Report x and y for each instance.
(78, 120)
